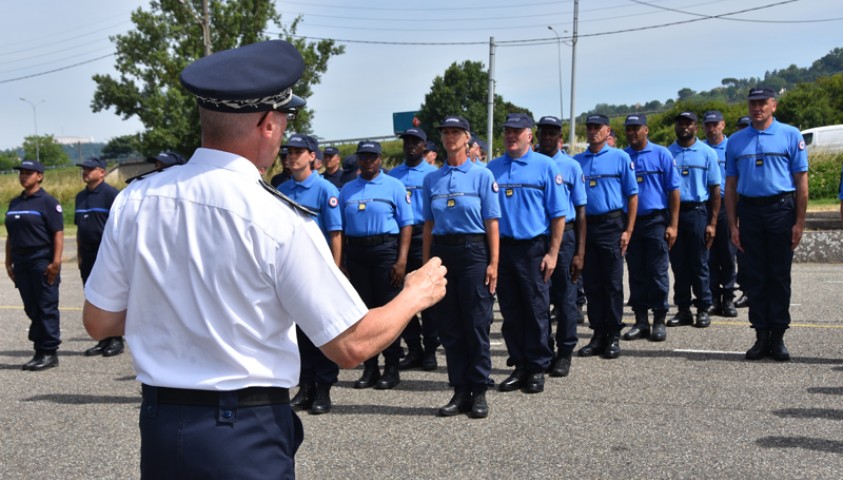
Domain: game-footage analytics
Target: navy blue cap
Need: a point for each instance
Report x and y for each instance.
(550, 121)
(430, 147)
(283, 151)
(330, 151)
(518, 120)
(368, 146)
(92, 162)
(252, 78)
(349, 163)
(314, 146)
(712, 116)
(33, 165)
(760, 93)
(167, 158)
(299, 141)
(414, 132)
(744, 121)
(482, 145)
(635, 119)
(686, 116)
(597, 119)
(454, 121)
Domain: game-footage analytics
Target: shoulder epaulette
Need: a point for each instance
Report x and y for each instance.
(289, 201)
(146, 174)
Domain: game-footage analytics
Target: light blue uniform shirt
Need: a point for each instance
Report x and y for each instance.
(656, 176)
(841, 186)
(574, 183)
(460, 199)
(609, 179)
(698, 170)
(413, 179)
(765, 160)
(531, 193)
(375, 207)
(319, 195)
(720, 150)
(479, 163)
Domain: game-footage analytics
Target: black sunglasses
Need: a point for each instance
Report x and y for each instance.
(291, 115)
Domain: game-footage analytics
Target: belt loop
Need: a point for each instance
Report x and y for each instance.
(227, 407)
(150, 400)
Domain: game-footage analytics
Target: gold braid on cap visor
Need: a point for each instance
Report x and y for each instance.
(273, 101)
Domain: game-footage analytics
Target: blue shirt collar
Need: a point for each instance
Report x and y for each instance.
(309, 181)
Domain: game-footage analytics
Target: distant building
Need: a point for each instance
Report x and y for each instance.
(74, 140)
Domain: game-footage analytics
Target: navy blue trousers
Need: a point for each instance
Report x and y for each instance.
(315, 366)
(464, 315)
(417, 334)
(766, 239)
(524, 300)
(721, 261)
(603, 275)
(40, 299)
(689, 260)
(180, 442)
(564, 296)
(647, 262)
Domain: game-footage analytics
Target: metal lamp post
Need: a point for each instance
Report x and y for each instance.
(559, 62)
(35, 116)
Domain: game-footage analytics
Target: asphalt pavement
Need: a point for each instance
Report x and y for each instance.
(690, 407)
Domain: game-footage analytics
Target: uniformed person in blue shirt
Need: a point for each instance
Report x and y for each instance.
(461, 213)
(310, 190)
(655, 230)
(430, 153)
(840, 196)
(533, 210)
(378, 221)
(611, 186)
(93, 204)
(563, 282)
(698, 210)
(412, 173)
(476, 151)
(333, 161)
(743, 300)
(722, 269)
(767, 166)
(34, 244)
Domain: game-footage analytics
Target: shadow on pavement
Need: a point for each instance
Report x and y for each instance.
(808, 443)
(729, 356)
(71, 399)
(825, 413)
(827, 390)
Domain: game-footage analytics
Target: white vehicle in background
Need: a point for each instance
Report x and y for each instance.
(824, 139)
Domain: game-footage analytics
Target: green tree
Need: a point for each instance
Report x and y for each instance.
(166, 39)
(813, 104)
(46, 148)
(121, 146)
(8, 159)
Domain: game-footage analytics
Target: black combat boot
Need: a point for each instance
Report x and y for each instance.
(304, 397)
(762, 345)
(322, 400)
(777, 349)
(641, 329)
(659, 333)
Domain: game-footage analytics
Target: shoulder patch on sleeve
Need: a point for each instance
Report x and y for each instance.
(802, 145)
(559, 179)
(407, 197)
(58, 207)
(632, 165)
(495, 187)
(333, 202)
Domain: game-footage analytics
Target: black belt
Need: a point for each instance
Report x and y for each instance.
(570, 225)
(371, 241)
(418, 229)
(30, 250)
(685, 206)
(459, 238)
(653, 214)
(516, 241)
(247, 397)
(592, 219)
(764, 201)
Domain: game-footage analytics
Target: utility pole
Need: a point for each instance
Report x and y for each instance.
(491, 107)
(559, 62)
(572, 139)
(35, 116)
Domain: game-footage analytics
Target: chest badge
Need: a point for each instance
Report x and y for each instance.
(451, 203)
(592, 183)
(640, 179)
(361, 207)
(686, 172)
(509, 192)
(759, 163)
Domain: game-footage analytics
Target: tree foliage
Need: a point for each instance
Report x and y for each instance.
(167, 37)
(47, 149)
(121, 146)
(813, 104)
(8, 159)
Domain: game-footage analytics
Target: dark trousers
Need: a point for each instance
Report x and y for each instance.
(647, 262)
(418, 333)
(524, 300)
(40, 299)
(315, 366)
(87, 259)
(689, 260)
(563, 293)
(181, 442)
(766, 240)
(721, 261)
(464, 316)
(369, 270)
(603, 275)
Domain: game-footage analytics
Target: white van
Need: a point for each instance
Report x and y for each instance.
(824, 139)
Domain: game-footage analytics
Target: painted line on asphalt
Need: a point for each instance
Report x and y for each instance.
(15, 307)
(715, 352)
(738, 323)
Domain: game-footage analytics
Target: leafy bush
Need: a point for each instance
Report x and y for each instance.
(824, 175)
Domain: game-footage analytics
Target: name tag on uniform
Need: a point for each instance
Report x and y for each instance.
(509, 192)
(361, 207)
(759, 163)
(640, 179)
(592, 183)
(686, 172)
(451, 203)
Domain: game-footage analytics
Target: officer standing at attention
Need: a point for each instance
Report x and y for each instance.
(533, 208)
(309, 189)
(698, 210)
(722, 269)
(743, 301)
(411, 173)
(610, 186)
(378, 222)
(475, 152)
(656, 225)
(461, 213)
(93, 204)
(208, 298)
(563, 286)
(430, 153)
(333, 172)
(744, 122)
(766, 164)
(34, 244)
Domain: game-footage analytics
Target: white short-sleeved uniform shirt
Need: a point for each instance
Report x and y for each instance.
(214, 271)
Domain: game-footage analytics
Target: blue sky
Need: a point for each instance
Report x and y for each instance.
(660, 47)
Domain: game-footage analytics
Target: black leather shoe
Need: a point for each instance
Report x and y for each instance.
(97, 349)
(114, 347)
(777, 348)
(761, 348)
(479, 407)
(412, 360)
(703, 320)
(729, 310)
(637, 331)
(370, 377)
(613, 347)
(716, 306)
(659, 333)
(43, 362)
(534, 383)
(389, 379)
(460, 403)
(304, 397)
(595, 346)
(561, 366)
(514, 381)
(742, 302)
(322, 400)
(37, 358)
(429, 361)
(682, 317)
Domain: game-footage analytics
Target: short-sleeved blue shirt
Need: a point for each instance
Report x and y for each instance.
(765, 160)
(574, 183)
(318, 195)
(460, 199)
(32, 222)
(698, 170)
(413, 179)
(841, 186)
(531, 193)
(656, 176)
(92, 208)
(375, 207)
(609, 179)
(720, 150)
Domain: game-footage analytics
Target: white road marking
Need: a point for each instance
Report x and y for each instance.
(680, 350)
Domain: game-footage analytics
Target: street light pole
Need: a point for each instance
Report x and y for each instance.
(573, 137)
(559, 62)
(35, 116)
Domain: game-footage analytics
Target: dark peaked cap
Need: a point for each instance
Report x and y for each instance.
(252, 78)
